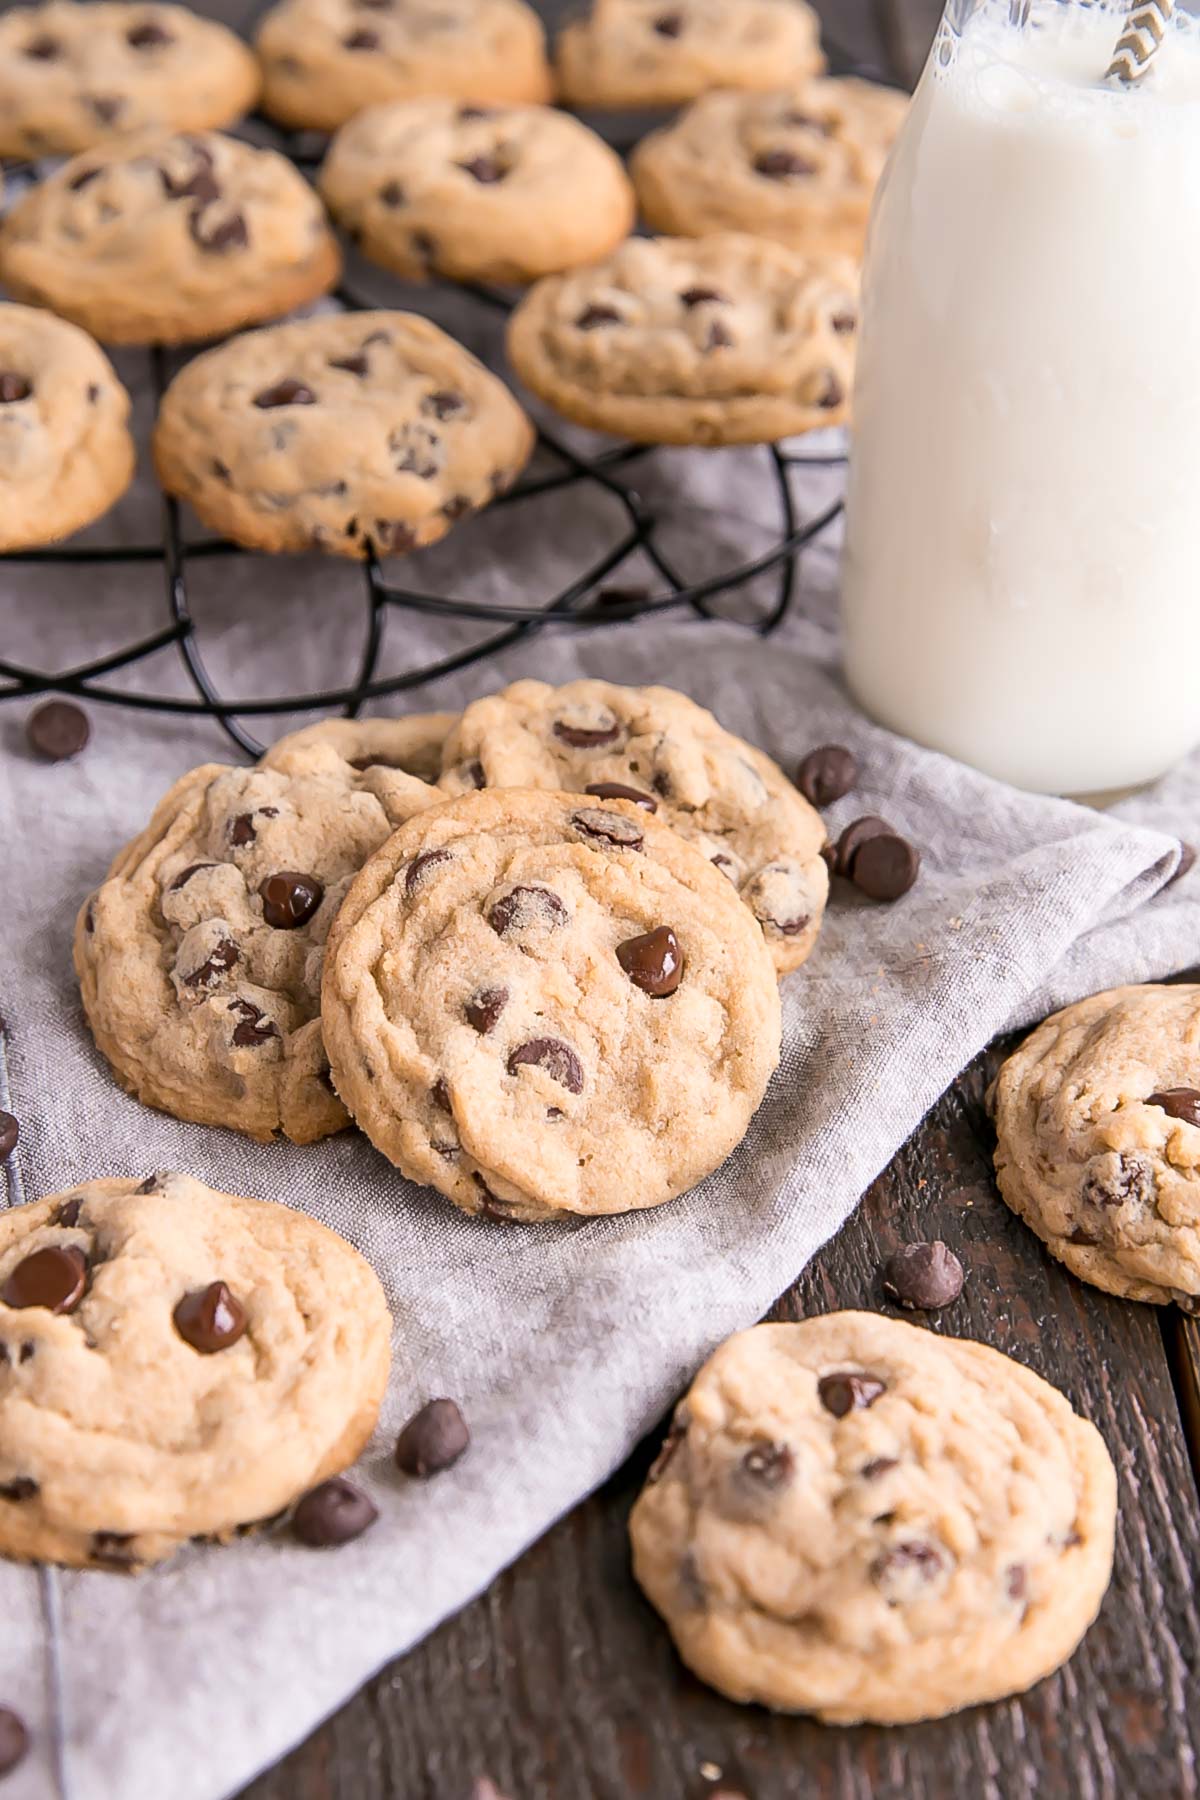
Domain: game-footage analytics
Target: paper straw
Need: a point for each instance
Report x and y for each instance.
(1140, 41)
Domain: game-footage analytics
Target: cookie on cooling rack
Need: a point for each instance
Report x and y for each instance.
(72, 76)
(199, 958)
(720, 340)
(658, 748)
(665, 52)
(65, 450)
(799, 165)
(478, 193)
(169, 238)
(174, 1362)
(325, 60)
(355, 433)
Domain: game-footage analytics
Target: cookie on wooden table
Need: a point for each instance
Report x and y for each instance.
(325, 60)
(170, 238)
(799, 165)
(546, 1004)
(65, 450)
(174, 1362)
(478, 193)
(349, 433)
(72, 76)
(665, 52)
(856, 1518)
(1098, 1140)
(721, 340)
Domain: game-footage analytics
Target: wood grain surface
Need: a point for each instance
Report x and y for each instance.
(561, 1684)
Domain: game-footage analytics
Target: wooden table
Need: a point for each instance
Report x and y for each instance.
(561, 1684)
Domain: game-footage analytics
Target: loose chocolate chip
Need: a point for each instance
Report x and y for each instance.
(392, 194)
(353, 365)
(783, 165)
(443, 403)
(14, 1740)
(826, 774)
(289, 898)
(10, 1132)
(703, 296)
(611, 828)
(923, 1276)
(255, 1028)
(361, 40)
(885, 867)
(525, 906)
(558, 1059)
(586, 737)
(107, 110)
(844, 323)
(653, 962)
(185, 875)
(58, 730)
(22, 1487)
(596, 315)
(616, 790)
(484, 169)
(210, 1319)
(769, 1464)
(14, 387)
(485, 1007)
(224, 955)
(879, 1465)
(68, 1213)
(285, 393)
(904, 1571)
(334, 1513)
(668, 25)
(53, 1277)
(148, 35)
(83, 177)
(854, 837)
(420, 866)
(1178, 1103)
(844, 1392)
(433, 1439)
(231, 233)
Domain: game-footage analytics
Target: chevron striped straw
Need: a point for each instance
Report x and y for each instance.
(1140, 41)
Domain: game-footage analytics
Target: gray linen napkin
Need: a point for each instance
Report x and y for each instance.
(563, 1344)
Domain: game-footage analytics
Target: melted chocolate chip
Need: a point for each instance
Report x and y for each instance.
(827, 774)
(610, 828)
(653, 962)
(361, 40)
(81, 179)
(355, 364)
(210, 1319)
(14, 387)
(668, 25)
(595, 315)
(472, 773)
(58, 730)
(923, 1276)
(844, 323)
(457, 507)
(484, 169)
(439, 1093)
(285, 393)
(718, 337)
(254, 1028)
(879, 1465)
(616, 790)
(54, 1277)
(1178, 1103)
(21, 1487)
(885, 867)
(829, 392)
(906, 1570)
(768, 1464)
(185, 875)
(43, 49)
(223, 956)
(392, 535)
(148, 35)
(392, 194)
(332, 1514)
(420, 866)
(290, 898)
(484, 1008)
(10, 1132)
(107, 109)
(14, 1740)
(522, 907)
(433, 1439)
(231, 233)
(783, 165)
(558, 1059)
(1016, 1582)
(443, 403)
(587, 737)
(703, 296)
(844, 1392)
(111, 1549)
(242, 829)
(68, 1212)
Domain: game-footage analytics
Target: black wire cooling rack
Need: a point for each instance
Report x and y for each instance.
(592, 599)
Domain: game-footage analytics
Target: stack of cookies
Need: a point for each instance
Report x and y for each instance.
(448, 160)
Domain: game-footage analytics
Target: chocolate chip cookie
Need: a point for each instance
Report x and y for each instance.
(325, 60)
(546, 1004)
(659, 749)
(412, 744)
(799, 166)
(169, 238)
(718, 340)
(65, 450)
(174, 1362)
(72, 76)
(478, 193)
(855, 1518)
(199, 958)
(664, 52)
(356, 433)
(1098, 1129)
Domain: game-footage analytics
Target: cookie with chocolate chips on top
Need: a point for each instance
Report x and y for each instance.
(658, 748)
(360, 433)
(72, 76)
(170, 238)
(664, 52)
(546, 1004)
(199, 958)
(856, 1518)
(174, 1362)
(1098, 1140)
(726, 339)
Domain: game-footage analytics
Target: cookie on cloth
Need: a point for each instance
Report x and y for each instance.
(860, 1519)
(412, 744)
(665, 52)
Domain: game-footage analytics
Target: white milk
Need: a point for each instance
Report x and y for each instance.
(1022, 575)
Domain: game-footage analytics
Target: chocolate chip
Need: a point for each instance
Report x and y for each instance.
(420, 866)
(653, 962)
(22, 1487)
(242, 830)
(878, 1465)
(10, 1132)
(1077, 1235)
(844, 1392)
(826, 774)
(885, 867)
(472, 773)
(58, 730)
(906, 1570)
(668, 25)
(14, 1740)
(289, 898)
(1178, 1103)
(783, 165)
(390, 535)
(616, 790)
(596, 315)
(844, 323)
(587, 737)
(224, 955)
(353, 365)
(198, 184)
(703, 296)
(484, 169)
(522, 907)
(285, 393)
(558, 1059)
(231, 233)
(484, 1008)
(923, 1276)
(68, 1212)
(210, 1319)
(361, 40)
(466, 113)
(392, 194)
(334, 1513)
(718, 336)
(1016, 1582)
(185, 875)
(53, 1277)
(14, 387)
(611, 828)
(111, 1549)
(457, 507)
(148, 35)
(768, 1464)
(255, 1027)
(107, 110)
(433, 1439)
(1120, 1179)
(854, 837)
(443, 403)
(43, 49)
(81, 179)
(828, 391)
(414, 451)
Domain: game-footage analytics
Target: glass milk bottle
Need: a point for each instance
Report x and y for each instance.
(1022, 575)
